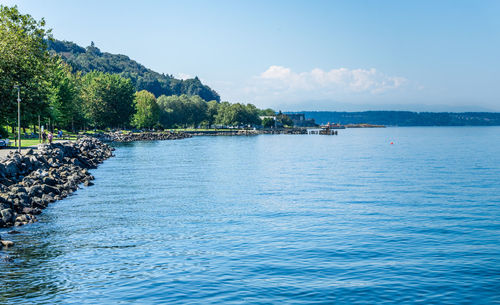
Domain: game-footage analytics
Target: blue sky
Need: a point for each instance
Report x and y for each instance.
(304, 55)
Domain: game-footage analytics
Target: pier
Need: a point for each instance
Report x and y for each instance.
(322, 131)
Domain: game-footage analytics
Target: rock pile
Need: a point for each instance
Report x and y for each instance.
(29, 182)
(142, 136)
(248, 132)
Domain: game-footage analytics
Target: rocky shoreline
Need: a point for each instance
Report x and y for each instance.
(29, 182)
(119, 136)
(142, 136)
(247, 132)
(32, 180)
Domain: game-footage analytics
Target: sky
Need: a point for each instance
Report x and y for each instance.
(303, 55)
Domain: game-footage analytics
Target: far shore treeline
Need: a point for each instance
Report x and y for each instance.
(52, 88)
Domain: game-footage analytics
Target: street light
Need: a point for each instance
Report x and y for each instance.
(18, 118)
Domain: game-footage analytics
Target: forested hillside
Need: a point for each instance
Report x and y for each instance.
(407, 118)
(92, 59)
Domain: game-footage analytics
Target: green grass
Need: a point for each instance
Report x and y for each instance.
(34, 142)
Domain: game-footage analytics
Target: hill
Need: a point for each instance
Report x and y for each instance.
(91, 58)
(406, 118)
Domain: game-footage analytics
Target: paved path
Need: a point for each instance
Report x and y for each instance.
(5, 151)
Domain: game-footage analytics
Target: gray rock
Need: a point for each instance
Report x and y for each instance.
(8, 216)
(49, 181)
(11, 168)
(35, 190)
(47, 189)
(47, 198)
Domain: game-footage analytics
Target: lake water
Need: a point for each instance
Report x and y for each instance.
(289, 219)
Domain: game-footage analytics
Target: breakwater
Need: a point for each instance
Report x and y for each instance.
(142, 136)
(30, 181)
(244, 132)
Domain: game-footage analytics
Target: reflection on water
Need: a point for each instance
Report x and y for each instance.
(274, 219)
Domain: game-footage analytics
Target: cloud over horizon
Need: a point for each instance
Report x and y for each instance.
(341, 80)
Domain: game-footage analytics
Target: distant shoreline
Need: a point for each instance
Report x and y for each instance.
(405, 118)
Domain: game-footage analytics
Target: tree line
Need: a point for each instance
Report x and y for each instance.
(192, 111)
(407, 118)
(52, 91)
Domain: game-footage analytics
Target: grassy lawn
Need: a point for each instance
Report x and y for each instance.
(73, 137)
(34, 142)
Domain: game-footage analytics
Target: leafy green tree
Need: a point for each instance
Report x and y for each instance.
(24, 61)
(172, 111)
(237, 114)
(107, 99)
(64, 97)
(223, 116)
(197, 109)
(212, 109)
(284, 119)
(252, 115)
(266, 112)
(268, 122)
(147, 110)
(182, 111)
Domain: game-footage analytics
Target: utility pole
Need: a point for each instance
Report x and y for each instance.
(18, 118)
(39, 131)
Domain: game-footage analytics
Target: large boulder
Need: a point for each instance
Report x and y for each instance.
(49, 181)
(8, 216)
(11, 169)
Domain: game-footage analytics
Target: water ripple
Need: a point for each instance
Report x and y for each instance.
(274, 220)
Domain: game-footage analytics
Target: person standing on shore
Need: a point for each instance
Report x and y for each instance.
(50, 137)
(44, 136)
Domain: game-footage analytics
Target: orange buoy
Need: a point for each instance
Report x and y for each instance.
(392, 143)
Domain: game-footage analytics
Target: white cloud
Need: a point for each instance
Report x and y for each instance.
(335, 81)
(276, 72)
(282, 88)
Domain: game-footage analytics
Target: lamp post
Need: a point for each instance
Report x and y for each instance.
(18, 118)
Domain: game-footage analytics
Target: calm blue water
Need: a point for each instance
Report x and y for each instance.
(274, 220)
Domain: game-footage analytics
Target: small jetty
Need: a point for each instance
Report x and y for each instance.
(322, 131)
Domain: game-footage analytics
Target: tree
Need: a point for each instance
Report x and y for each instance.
(223, 116)
(197, 109)
(268, 122)
(107, 99)
(267, 112)
(64, 97)
(237, 114)
(284, 119)
(172, 111)
(147, 110)
(252, 115)
(212, 109)
(24, 61)
(182, 110)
